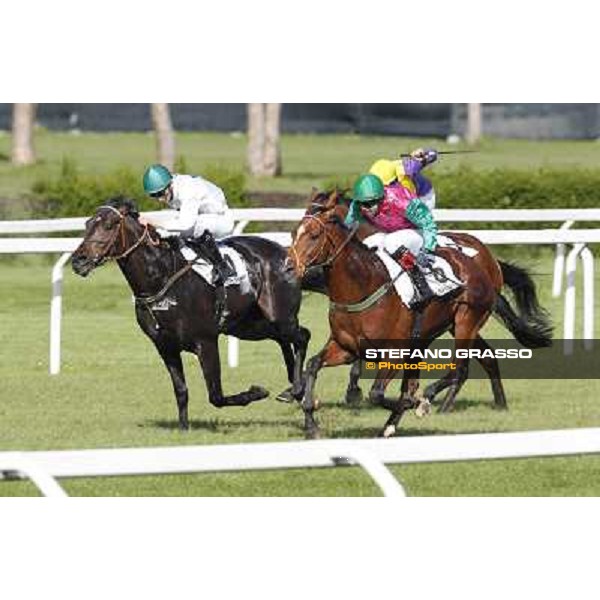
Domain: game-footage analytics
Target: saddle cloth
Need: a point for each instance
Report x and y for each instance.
(439, 276)
(446, 242)
(205, 269)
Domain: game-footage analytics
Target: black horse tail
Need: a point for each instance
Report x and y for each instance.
(532, 326)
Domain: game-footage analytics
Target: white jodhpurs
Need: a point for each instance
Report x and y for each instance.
(220, 225)
(390, 242)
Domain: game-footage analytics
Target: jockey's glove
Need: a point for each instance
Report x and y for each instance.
(165, 234)
(424, 156)
(424, 259)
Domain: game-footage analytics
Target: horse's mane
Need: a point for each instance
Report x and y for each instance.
(127, 203)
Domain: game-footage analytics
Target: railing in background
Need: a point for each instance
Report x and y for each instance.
(559, 237)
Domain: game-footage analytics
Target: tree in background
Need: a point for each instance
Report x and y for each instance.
(23, 121)
(473, 123)
(165, 136)
(264, 149)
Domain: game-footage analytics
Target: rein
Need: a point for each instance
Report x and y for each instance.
(145, 301)
(354, 307)
(327, 238)
(368, 302)
(148, 300)
(121, 230)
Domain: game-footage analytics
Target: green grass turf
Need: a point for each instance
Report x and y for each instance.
(114, 392)
(307, 159)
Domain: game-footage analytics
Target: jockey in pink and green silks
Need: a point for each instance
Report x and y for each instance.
(388, 198)
(407, 201)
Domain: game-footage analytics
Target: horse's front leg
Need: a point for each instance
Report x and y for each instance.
(331, 356)
(210, 362)
(172, 359)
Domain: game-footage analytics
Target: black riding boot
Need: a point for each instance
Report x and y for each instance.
(208, 248)
(423, 293)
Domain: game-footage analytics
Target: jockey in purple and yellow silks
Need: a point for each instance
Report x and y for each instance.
(408, 173)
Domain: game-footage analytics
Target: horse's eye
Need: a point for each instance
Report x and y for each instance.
(108, 226)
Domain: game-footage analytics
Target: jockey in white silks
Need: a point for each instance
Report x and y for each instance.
(202, 214)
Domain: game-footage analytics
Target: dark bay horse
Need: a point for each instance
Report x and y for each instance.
(500, 273)
(353, 273)
(175, 307)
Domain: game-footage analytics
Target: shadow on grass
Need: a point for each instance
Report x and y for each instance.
(366, 432)
(218, 426)
(365, 405)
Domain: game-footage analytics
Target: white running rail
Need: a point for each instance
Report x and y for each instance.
(43, 468)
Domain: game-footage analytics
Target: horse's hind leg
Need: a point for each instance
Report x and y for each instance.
(354, 395)
(492, 369)
(208, 354)
(433, 389)
(410, 385)
(172, 360)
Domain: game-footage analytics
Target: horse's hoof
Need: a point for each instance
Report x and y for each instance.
(313, 434)
(389, 431)
(354, 397)
(258, 392)
(286, 396)
(424, 408)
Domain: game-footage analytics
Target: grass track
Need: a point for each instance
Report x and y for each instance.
(113, 392)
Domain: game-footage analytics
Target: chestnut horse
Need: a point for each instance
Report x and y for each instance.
(353, 273)
(500, 273)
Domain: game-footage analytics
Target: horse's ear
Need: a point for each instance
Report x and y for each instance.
(313, 196)
(332, 200)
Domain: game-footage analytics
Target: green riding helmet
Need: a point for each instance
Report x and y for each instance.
(156, 179)
(367, 189)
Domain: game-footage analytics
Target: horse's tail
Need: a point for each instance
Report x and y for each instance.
(532, 326)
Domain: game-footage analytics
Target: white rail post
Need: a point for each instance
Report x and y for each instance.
(45, 483)
(374, 467)
(559, 263)
(569, 327)
(587, 259)
(233, 344)
(56, 312)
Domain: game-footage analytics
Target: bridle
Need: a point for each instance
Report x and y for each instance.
(120, 231)
(327, 238)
